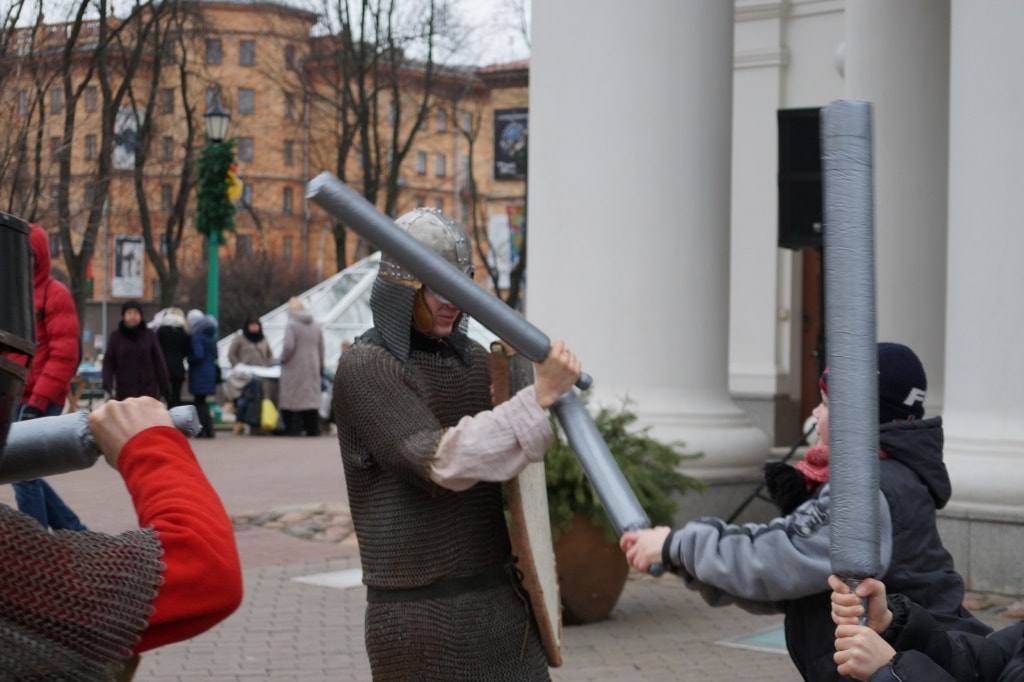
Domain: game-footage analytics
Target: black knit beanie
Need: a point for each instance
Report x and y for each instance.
(902, 383)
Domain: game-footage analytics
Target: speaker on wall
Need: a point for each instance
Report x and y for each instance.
(800, 191)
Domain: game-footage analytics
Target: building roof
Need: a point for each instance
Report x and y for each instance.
(278, 5)
(518, 65)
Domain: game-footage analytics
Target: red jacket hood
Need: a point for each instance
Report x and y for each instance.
(40, 242)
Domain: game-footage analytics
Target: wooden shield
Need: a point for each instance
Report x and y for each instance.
(530, 526)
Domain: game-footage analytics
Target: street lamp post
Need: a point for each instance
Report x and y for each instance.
(214, 210)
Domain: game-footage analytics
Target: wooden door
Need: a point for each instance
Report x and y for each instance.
(812, 344)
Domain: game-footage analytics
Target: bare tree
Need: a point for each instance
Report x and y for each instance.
(108, 49)
(362, 73)
(244, 291)
(25, 77)
(169, 50)
(469, 128)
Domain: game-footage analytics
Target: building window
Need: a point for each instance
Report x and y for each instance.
(243, 247)
(213, 52)
(167, 148)
(289, 152)
(286, 248)
(245, 149)
(439, 204)
(89, 194)
(245, 100)
(441, 120)
(286, 202)
(247, 52)
(55, 148)
(55, 245)
(289, 56)
(247, 195)
(439, 164)
(167, 100)
(56, 101)
(212, 96)
(165, 243)
(467, 122)
(421, 201)
(23, 102)
(168, 54)
(91, 99)
(54, 197)
(289, 105)
(166, 197)
(90, 147)
(421, 163)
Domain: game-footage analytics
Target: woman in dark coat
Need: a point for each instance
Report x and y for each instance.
(202, 366)
(133, 364)
(174, 343)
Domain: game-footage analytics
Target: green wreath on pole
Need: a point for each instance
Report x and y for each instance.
(214, 212)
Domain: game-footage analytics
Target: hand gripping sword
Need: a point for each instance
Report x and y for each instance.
(55, 445)
(348, 206)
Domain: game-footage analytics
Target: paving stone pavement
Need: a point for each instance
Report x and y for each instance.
(292, 631)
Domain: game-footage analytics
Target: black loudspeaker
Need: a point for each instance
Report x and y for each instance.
(800, 191)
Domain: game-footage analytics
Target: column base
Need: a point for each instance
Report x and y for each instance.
(986, 472)
(987, 545)
(732, 448)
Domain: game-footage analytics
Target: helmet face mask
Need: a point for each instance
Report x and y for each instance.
(398, 300)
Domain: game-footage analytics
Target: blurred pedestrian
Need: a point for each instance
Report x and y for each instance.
(49, 378)
(251, 347)
(172, 333)
(202, 366)
(302, 361)
(133, 364)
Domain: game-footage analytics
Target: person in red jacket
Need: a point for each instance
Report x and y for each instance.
(49, 378)
(80, 605)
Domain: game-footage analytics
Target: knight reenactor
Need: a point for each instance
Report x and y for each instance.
(79, 605)
(425, 452)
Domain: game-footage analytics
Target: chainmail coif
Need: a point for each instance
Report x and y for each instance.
(73, 604)
(412, 533)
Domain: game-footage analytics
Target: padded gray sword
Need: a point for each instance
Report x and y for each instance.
(350, 207)
(55, 445)
(846, 137)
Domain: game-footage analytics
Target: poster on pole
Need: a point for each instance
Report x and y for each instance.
(510, 138)
(129, 265)
(499, 242)
(126, 137)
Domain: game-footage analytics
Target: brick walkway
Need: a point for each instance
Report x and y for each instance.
(292, 631)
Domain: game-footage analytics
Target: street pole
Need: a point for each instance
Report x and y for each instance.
(213, 274)
(215, 212)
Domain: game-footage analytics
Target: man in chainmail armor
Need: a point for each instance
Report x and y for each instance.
(80, 605)
(425, 453)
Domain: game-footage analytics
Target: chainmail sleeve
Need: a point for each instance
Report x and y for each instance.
(392, 423)
(72, 604)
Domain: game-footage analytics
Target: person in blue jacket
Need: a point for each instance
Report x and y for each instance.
(202, 366)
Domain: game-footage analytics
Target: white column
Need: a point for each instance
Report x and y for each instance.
(985, 311)
(630, 145)
(897, 57)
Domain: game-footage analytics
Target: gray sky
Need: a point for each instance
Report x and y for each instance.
(495, 36)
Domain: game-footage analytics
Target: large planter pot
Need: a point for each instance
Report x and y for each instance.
(591, 572)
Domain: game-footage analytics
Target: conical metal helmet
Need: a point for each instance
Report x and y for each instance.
(441, 234)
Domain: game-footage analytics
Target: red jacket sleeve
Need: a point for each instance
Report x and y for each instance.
(202, 579)
(62, 329)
